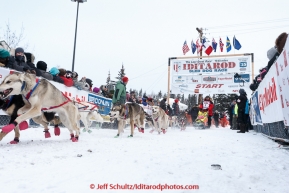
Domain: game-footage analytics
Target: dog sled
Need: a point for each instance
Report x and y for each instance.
(201, 121)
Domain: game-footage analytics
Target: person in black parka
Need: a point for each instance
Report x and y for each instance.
(241, 102)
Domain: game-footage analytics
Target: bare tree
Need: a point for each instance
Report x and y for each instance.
(12, 38)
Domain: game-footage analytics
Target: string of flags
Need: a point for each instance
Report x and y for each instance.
(208, 49)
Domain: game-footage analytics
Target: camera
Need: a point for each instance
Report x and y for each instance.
(237, 75)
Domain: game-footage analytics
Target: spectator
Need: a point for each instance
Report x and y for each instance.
(88, 84)
(19, 63)
(169, 110)
(97, 91)
(104, 91)
(80, 85)
(42, 67)
(241, 102)
(150, 101)
(216, 117)
(67, 81)
(163, 104)
(231, 113)
(194, 112)
(132, 98)
(119, 96)
(208, 105)
(176, 108)
(5, 59)
(54, 72)
(30, 62)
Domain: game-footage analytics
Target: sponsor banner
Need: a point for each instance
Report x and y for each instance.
(212, 65)
(103, 103)
(281, 66)
(211, 84)
(269, 98)
(242, 78)
(255, 114)
(225, 79)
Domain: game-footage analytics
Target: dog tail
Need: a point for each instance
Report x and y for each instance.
(49, 116)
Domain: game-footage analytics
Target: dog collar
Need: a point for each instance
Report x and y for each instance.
(31, 91)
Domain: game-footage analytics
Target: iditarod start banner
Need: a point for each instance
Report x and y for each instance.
(211, 76)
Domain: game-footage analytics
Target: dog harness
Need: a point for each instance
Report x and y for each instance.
(28, 95)
(85, 107)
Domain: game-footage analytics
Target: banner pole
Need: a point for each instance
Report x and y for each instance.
(252, 58)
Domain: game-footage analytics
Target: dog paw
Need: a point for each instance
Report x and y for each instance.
(56, 131)
(23, 125)
(8, 128)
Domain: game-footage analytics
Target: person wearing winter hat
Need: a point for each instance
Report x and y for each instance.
(242, 102)
(119, 96)
(30, 62)
(208, 105)
(42, 67)
(67, 81)
(176, 108)
(81, 84)
(89, 83)
(96, 90)
(104, 91)
(19, 63)
(55, 72)
(5, 59)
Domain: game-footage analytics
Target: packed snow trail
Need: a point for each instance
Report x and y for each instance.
(250, 162)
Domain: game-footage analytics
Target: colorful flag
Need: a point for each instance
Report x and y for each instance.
(207, 47)
(228, 45)
(185, 48)
(194, 47)
(214, 44)
(236, 44)
(199, 47)
(221, 45)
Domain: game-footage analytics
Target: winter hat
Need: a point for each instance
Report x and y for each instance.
(41, 65)
(176, 100)
(144, 99)
(68, 74)
(150, 99)
(89, 82)
(242, 91)
(54, 71)
(124, 79)
(19, 50)
(96, 90)
(271, 52)
(4, 53)
(62, 72)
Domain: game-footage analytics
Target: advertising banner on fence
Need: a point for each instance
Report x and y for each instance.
(255, 114)
(211, 65)
(269, 98)
(210, 84)
(103, 103)
(282, 69)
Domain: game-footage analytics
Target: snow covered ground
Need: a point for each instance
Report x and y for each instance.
(250, 162)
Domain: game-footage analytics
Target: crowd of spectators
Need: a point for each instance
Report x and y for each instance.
(24, 62)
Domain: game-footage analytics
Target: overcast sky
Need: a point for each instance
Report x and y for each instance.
(141, 34)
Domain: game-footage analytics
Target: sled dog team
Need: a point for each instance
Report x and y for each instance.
(23, 97)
